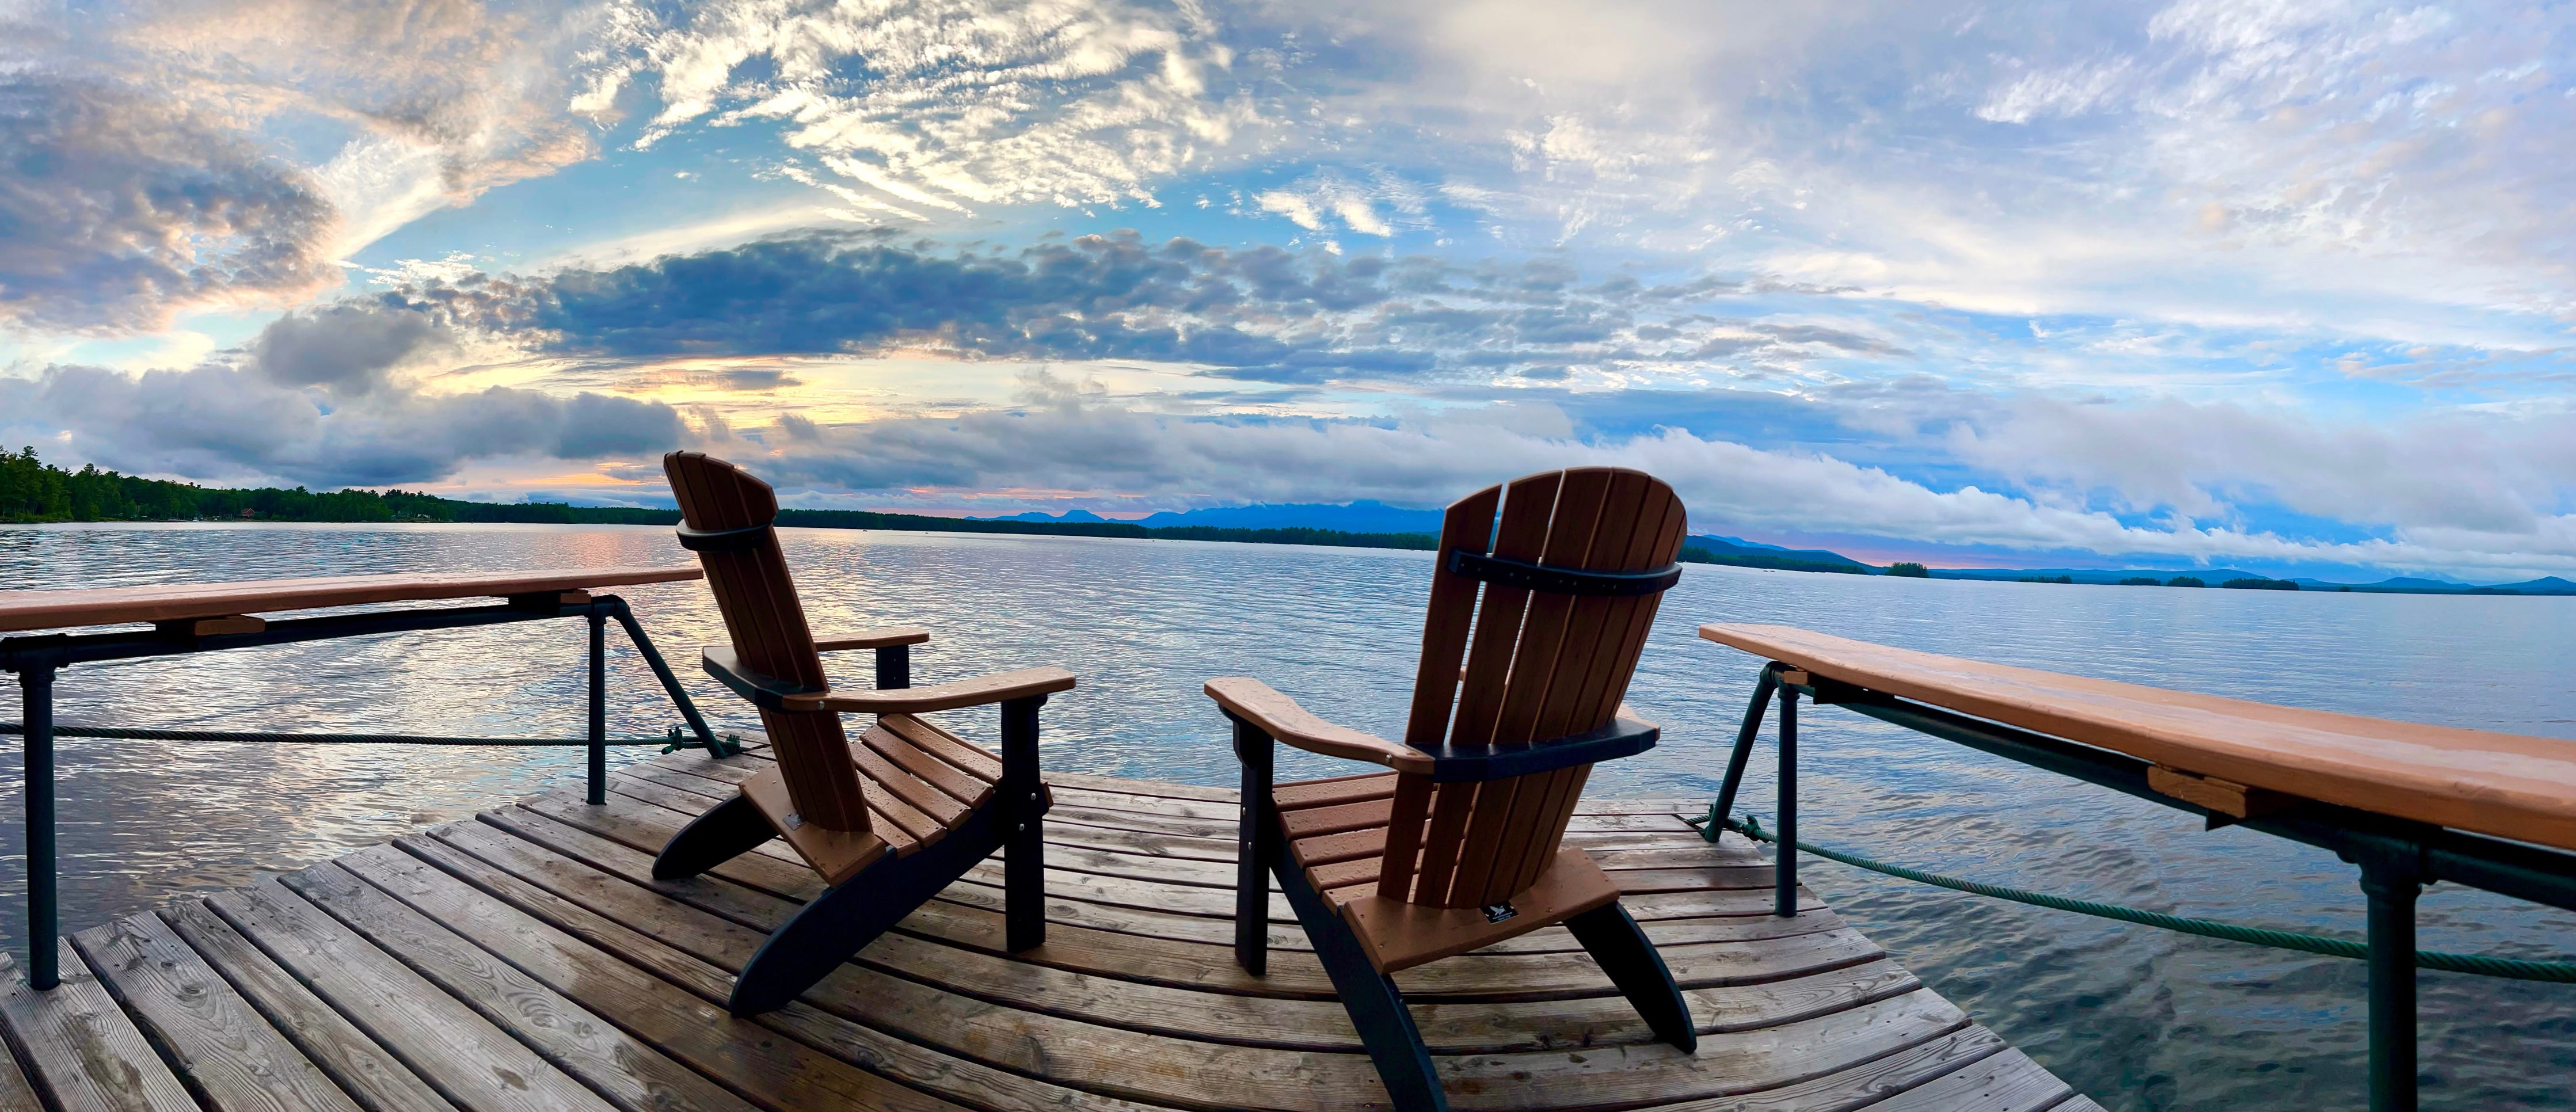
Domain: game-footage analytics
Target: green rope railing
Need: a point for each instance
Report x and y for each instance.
(2481, 965)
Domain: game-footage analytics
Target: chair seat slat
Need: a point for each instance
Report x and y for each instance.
(1340, 790)
(951, 782)
(912, 790)
(885, 806)
(961, 755)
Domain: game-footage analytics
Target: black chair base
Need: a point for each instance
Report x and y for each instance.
(724, 832)
(1376, 1006)
(1386, 1028)
(841, 921)
(1622, 950)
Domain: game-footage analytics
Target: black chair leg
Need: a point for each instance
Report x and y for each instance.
(1024, 887)
(849, 915)
(1615, 941)
(818, 938)
(726, 831)
(1253, 850)
(1376, 1006)
(1024, 842)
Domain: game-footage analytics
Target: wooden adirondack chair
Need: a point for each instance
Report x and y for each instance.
(1460, 847)
(888, 822)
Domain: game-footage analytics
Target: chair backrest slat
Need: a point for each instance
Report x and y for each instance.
(1411, 808)
(1592, 645)
(1544, 640)
(1469, 524)
(1451, 806)
(1527, 505)
(1569, 791)
(766, 624)
(1537, 666)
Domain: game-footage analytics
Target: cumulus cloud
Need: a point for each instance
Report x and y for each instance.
(1260, 313)
(2492, 474)
(350, 349)
(332, 396)
(218, 423)
(1197, 461)
(117, 206)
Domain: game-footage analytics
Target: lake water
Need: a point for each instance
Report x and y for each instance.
(2138, 1018)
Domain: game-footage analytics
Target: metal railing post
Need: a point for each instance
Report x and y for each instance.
(1745, 736)
(598, 707)
(36, 690)
(2392, 886)
(1784, 901)
(662, 671)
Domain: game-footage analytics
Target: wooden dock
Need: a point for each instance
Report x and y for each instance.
(526, 961)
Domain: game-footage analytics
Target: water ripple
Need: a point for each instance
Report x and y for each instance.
(2139, 1018)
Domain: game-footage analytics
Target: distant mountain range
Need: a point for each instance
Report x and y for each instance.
(1380, 518)
(2402, 585)
(1354, 517)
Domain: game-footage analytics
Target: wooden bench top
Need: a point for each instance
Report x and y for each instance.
(2508, 785)
(165, 602)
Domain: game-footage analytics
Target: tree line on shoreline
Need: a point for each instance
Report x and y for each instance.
(33, 491)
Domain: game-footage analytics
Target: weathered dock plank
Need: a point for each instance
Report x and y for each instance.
(527, 959)
(367, 1072)
(472, 1062)
(237, 1062)
(2006, 1082)
(629, 1073)
(611, 915)
(686, 1026)
(79, 1048)
(615, 837)
(16, 1093)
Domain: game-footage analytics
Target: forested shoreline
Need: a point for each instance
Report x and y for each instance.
(33, 491)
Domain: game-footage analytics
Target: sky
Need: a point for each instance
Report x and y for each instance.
(2277, 286)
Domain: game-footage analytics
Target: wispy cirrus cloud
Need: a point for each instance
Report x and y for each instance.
(222, 154)
(945, 105)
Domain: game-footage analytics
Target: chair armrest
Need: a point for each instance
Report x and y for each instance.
(878, 638)
(1280, 717)
(996, 688)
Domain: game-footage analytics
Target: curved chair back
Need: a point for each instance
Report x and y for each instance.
(1538, 664)
(730, 514)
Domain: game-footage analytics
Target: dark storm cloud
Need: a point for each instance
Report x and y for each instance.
(1259, 313)
(115, 207)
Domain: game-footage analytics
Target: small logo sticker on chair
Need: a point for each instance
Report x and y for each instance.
(1497, 912)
